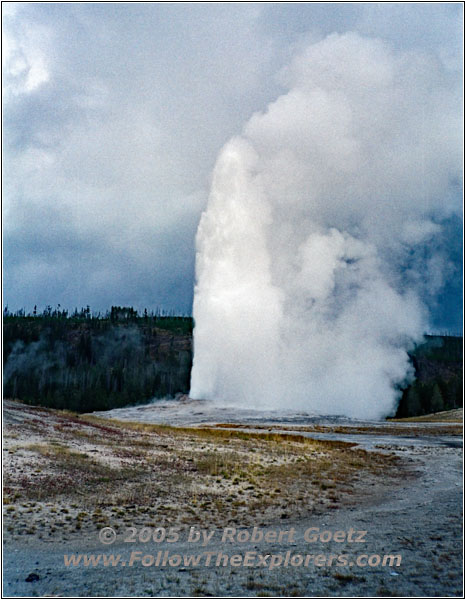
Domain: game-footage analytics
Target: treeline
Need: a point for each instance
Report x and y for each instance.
(87, 362)
(438, 384)
(117, 314)
(84, 361)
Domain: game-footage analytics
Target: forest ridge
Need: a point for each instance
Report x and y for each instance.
(84, 362)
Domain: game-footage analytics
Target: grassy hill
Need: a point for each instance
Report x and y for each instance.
(444, 416)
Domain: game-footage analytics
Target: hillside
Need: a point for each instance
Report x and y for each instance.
(438, 385)
(85, 363)
(445, 416)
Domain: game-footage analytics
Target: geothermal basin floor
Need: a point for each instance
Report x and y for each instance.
(69, 476)
(367, 434)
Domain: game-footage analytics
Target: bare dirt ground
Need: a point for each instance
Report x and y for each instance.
(67, 476)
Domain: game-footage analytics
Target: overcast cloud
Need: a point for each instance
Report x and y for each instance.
(114, 115)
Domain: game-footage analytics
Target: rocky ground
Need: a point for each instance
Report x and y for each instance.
(66, 477)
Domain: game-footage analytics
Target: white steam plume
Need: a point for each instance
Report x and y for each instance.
(303, 298)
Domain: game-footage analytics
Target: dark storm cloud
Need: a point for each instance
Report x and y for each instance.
(46, 259)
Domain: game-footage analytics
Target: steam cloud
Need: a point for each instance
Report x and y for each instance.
(318, 244)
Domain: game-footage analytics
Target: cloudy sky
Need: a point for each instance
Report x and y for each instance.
(114, 115)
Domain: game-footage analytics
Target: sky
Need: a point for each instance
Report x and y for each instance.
(114, 116)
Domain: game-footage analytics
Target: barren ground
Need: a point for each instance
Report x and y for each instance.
(68, 476)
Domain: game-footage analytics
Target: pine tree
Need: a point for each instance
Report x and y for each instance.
(436, 403)
(413, 402)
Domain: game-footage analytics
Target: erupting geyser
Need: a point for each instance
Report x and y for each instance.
(319, 243)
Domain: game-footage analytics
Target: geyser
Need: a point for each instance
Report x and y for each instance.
(318, 243)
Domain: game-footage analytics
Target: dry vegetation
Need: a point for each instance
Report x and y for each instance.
(445, 416)
(443, 426)
(68, 475)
